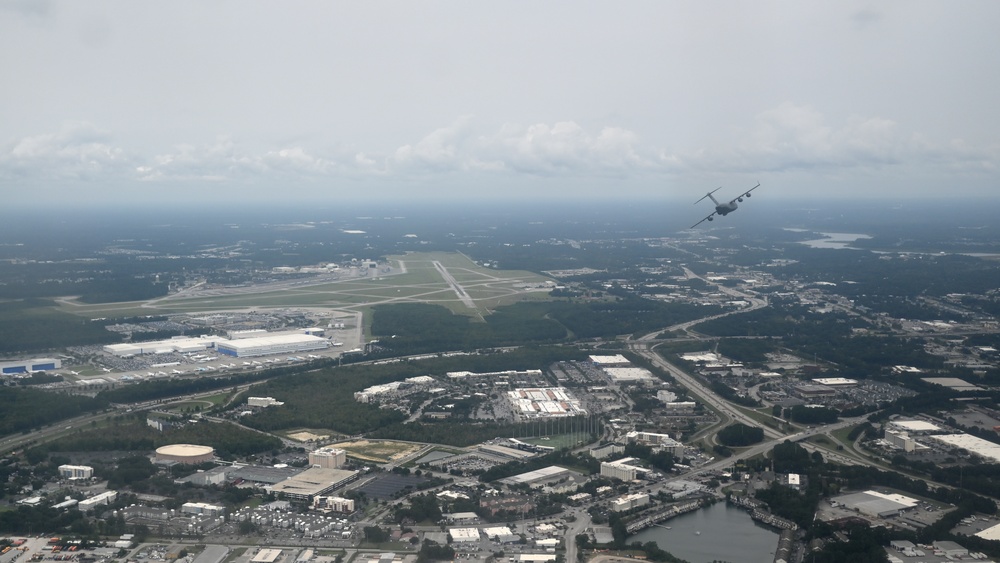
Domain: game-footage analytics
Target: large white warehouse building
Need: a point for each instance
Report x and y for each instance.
(180, 344)
(277, 344)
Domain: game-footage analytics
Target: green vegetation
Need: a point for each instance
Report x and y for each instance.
(35, 324)
(153, 390)
(432, 551)
(131, 433)
(325, 398)
(565, 458)
(738, 435)
(811, 415)
(28, 409)
(418, 328)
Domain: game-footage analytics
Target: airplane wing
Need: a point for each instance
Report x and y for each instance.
(745, 194)
(703, 220)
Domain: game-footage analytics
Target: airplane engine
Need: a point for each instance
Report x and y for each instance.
(740, 199)
(748, 195)
(711, 218)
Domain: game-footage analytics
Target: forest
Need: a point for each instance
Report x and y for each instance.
(325, 398)
(131, 433)
(35, 325)
(420, 328)
(30, 409)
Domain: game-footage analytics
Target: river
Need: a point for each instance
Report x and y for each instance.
(716, 533)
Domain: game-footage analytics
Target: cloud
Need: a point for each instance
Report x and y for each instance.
(34, 9)
(77, 151)
(217, 162)
(788, 138)
(224, 160)
(794, 137)
(444, 149)
(562, 148)
(866, 17)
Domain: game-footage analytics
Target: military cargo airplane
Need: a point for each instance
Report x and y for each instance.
(723, 209)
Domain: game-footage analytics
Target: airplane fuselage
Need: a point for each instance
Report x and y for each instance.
(725, 208)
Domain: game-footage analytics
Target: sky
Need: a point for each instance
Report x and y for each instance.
(122, 102)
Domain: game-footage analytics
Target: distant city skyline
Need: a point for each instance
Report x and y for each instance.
(254, 102)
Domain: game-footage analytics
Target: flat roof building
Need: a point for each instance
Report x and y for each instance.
(328, 458)
(978, 446)
(616, 360)
(538, 476)
(876, 504)
(658, 441)
(544, 402)
(266, 345)
(629, 374)
(29, 366)
(464, 534)
(836, 381)
(621, 469)
(76, 471)
(313, 482)
(915, 425)
(203, 508)
(628, 502)
(266, 556)
(106, 497)
(180, 345)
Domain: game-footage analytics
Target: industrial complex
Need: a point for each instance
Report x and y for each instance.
(258, 343)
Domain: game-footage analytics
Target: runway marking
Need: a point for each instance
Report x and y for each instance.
(455, 286)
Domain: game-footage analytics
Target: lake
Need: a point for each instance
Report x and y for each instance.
(717, 533)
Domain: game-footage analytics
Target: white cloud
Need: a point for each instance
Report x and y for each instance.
(76, 151)
(794, 137)
(562, 148)
(788, 138)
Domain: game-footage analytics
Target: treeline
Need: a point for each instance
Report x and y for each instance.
(24, 520)
(828, 479)
(421, 328)
(783, 320)
(29, 409)
(35, 325)
(626, 315)
(872, 274)
(738, 435)
(154, 390)
(827, 336)
(811, 415)
(746, 350)
(90, 285)
(131, 433)
(729, 394)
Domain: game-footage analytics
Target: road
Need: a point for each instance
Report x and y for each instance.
(644, 346)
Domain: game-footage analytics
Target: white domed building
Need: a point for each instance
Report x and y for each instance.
(184, 453)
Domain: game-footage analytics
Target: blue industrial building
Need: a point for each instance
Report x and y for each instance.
(29, 366)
